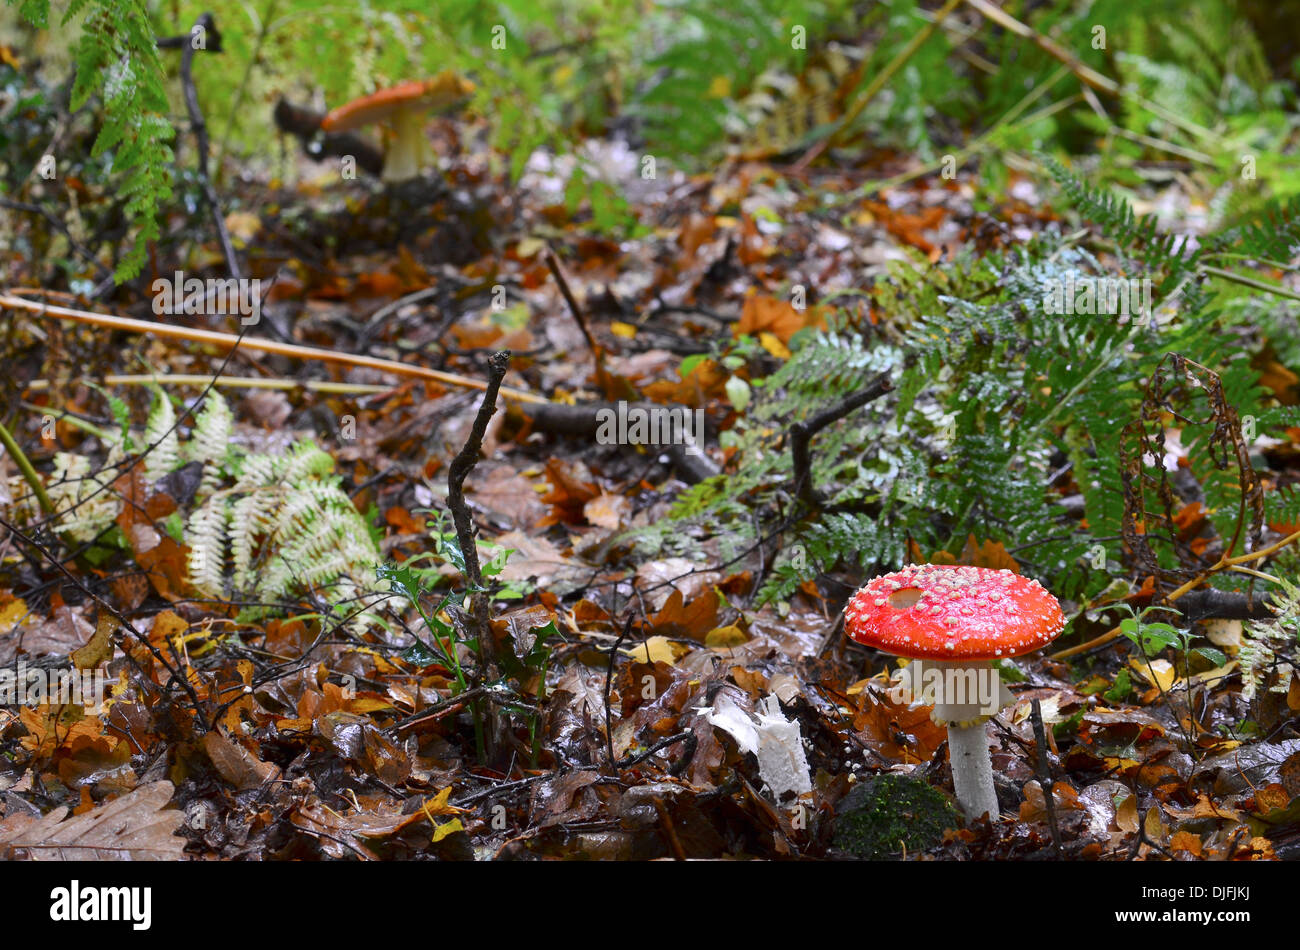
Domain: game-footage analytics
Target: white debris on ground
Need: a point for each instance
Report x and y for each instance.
(774, 740)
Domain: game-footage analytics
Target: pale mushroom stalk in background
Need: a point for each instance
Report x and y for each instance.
(401, 110)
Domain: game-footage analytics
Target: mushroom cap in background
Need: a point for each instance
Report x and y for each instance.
(442, 90)
(953, 612)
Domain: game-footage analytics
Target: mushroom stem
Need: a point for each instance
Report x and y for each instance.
(966, 694)
(972, 769)
(405, 154)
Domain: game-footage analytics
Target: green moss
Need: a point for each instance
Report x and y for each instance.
(884, 815)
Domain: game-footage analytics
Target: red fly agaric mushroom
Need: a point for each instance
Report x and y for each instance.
(401, 109)
(954, 620)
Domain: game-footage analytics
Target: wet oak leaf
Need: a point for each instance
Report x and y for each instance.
(237, 765)
(134, 827)
(338, 832)
(505, 493)
(59, 635)
(895, 732)
(537, 559)
(571, 489)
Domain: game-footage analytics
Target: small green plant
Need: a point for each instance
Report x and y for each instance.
(1154, 637)
(995, 395)
(524, 664)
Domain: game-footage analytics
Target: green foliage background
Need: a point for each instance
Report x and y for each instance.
(677, 75)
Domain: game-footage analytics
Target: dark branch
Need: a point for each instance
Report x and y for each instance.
(206, 27)
(801, 434)
(460, 468)
(581, 420)
(1222, 604)
(304, 124)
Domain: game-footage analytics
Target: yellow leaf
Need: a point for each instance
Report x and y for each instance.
(728, 636)
(772, 343)
(11, 612)
(1126, 815)
(450, 828)
(1213, 676)
(720, 88)
(625, 330)
(1160, 673)
(368, 704)
(99, 648)
(1153, 826)
(529, 247)
(858, 687)
(243, 226)
(439, 804)
(656, 650)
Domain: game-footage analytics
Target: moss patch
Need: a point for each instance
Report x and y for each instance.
(882, 815)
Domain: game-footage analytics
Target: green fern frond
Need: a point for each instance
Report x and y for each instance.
(209, 443)
(1270, 646)
(117, 59)
(164, 454)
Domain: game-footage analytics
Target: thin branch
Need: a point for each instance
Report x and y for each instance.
(205, 26)
(1045, 781)
(609, 679)
(579, 316)
(231, 340)
(459, 469)
(801, 434)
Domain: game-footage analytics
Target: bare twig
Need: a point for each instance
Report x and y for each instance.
(230, 340)
(579, 316)
(1045, 781)
(438, 710)
(459, 469)
(609, 679)
(801, 434)
(657, 747)
(205, 26)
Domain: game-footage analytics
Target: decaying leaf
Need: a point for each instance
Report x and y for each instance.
(135, 827)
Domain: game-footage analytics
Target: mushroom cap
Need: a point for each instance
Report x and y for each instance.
(953, 612)
(443, 89)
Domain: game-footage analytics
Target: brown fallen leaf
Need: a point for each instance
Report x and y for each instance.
(340, 834)
(693, 620)
(236, 764)
(776, 316)
(99, 648)
(134, 827)
(607, 511)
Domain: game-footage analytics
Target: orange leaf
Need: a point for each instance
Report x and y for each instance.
(693, 620)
